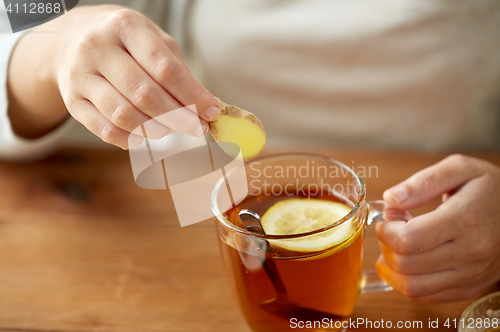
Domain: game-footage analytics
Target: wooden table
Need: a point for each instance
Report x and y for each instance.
(82, 248)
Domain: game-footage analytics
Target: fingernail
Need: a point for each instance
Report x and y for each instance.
(199, 132)
(213, 113)
(205, 128)
(399, 194)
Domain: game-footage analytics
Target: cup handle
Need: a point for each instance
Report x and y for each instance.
(370, 281)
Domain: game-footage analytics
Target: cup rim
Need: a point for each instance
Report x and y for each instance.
(227, 223)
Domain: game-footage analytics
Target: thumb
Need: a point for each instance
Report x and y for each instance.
(448, 174)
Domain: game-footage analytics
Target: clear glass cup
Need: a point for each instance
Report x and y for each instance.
(482, 315)
(279, 288)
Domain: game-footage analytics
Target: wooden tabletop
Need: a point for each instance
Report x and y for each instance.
(82, 248)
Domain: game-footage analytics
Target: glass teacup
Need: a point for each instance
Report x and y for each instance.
(482, 315)
(283, 281)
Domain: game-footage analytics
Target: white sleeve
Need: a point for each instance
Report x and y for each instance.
(13, 147)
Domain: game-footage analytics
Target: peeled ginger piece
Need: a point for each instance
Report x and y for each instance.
(240, 127)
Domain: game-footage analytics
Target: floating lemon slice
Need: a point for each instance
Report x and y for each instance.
(302, 215)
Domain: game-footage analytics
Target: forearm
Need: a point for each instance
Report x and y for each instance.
(35, 104)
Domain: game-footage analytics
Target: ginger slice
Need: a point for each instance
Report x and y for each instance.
(240, 127)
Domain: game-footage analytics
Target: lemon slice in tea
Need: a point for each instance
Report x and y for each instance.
(302, 215)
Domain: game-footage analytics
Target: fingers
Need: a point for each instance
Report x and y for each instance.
(419, 285)
(443, 285)
(86, 113)
(439, 259)
(171, 43)
(451, 253)
(391, 214)
(118, 110)
(147, 96)
(133, 73)
(183, 117)
(154, 56)
(421, 233)
(431, 182)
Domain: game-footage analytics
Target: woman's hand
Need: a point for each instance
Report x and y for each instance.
(115, 70)
(453, 252)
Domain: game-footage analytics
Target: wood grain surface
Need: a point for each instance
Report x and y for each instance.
(82, 248)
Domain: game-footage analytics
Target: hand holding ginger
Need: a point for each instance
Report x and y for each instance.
(112, 69)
